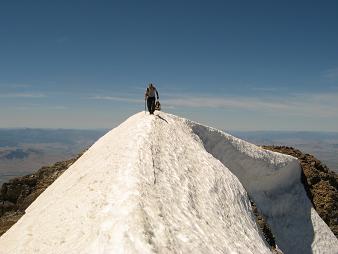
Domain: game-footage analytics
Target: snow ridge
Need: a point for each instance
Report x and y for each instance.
(273, 181)
(163, 184)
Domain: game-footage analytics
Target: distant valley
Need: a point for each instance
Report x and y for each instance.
(25, 150)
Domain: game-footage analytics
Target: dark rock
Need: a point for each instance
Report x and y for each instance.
(29, 199)
(263, 226)
(18, 193)
(8, 219)
(13, 192)
(6, 206)
(313, 180)
(320, 183)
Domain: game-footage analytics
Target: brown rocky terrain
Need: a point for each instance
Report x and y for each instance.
(320, 183)
(18, 193)
(265, 228)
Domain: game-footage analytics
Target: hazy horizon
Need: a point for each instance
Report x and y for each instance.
(23, 151)
(225, 129)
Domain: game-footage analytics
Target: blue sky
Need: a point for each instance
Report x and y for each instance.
(235, 65)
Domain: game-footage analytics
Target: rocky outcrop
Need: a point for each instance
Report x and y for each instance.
(265, 228)
(17, 194)
(320, 183)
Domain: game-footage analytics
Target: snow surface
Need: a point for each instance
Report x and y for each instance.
(163, 184)
(273, 180)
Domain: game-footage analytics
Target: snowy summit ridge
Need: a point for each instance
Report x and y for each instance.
(164, 184)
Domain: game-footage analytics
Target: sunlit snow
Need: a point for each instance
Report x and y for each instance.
(163, 184)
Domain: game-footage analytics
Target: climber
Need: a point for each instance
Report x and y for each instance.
(150, 97)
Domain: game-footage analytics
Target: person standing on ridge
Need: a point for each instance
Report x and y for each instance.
(150, 97)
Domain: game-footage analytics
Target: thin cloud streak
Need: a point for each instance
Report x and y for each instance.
(115, 98)
(305, 105)
(321, 105)
(23, 95)
(40, 107)
(265, 89)
(6, 85)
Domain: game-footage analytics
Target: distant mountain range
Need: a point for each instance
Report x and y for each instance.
(16, 137)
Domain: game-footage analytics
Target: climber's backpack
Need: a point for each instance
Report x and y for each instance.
(157, 105)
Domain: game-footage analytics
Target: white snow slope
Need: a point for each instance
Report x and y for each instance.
(163, 184)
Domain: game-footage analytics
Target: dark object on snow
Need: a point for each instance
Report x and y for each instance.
(157, 105)
(151, 104)
(150, 96)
